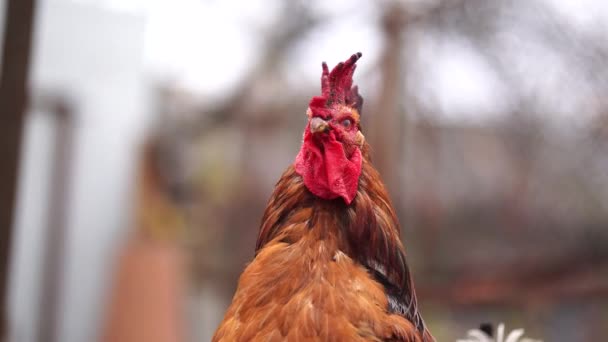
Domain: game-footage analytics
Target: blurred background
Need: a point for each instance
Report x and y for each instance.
(162, 126)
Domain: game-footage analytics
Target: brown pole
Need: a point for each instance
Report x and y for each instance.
(55, 235)
(386, 132)
(13, 99)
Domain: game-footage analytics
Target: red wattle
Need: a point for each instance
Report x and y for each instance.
(326, 170)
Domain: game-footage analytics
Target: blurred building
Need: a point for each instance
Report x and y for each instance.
(90, 59)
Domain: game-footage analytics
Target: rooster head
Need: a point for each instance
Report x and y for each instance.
(330, 158)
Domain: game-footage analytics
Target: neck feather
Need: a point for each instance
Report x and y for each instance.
(368, 227)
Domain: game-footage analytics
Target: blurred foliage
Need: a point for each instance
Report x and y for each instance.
(503, 196)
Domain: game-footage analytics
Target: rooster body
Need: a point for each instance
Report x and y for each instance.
(329, 264)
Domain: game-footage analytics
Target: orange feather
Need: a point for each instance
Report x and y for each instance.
(309, 279)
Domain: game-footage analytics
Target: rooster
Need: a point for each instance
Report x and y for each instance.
(329, 264)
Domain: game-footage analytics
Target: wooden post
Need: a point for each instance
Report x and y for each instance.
(386, 132)
(56, 232)
(13, 100)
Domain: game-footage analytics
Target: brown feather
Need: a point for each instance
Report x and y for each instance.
(325, 271)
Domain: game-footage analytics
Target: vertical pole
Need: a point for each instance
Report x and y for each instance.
(55, 235)
(13, 99)
(386, 127)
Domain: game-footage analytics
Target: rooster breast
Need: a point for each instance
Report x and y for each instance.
(302, 286)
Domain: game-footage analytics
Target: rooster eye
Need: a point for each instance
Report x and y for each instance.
(347, 123)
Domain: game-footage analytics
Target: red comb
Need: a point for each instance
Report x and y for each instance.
(336, 87)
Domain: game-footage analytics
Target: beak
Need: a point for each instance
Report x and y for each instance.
(360, 139)
(318, 125)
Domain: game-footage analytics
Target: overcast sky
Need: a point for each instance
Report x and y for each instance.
(206, 46)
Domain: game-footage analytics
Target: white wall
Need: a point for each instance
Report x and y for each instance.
(93, 56)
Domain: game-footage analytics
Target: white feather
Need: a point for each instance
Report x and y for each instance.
(515, 335)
